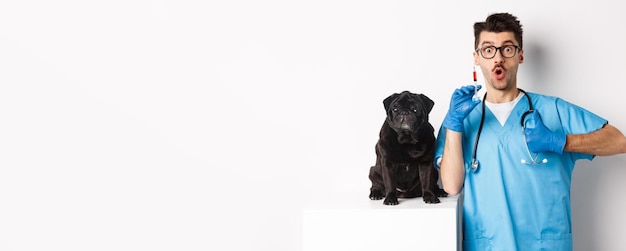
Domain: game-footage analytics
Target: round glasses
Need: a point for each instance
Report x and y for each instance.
(507, 51)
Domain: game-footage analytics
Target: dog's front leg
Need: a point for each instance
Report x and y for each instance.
(428, 178)
(389, 179)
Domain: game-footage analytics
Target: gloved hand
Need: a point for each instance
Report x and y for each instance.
(461, 104)
(540, 139)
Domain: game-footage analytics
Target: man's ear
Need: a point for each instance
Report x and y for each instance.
(476, 59)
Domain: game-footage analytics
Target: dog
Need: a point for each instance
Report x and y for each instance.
(405, 151)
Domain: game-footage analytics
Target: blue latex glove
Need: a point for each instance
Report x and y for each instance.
(461, 104)
(540, 139)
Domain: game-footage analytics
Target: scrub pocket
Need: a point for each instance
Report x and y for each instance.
(556, 242)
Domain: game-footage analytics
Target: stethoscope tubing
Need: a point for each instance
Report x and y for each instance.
(474, 163)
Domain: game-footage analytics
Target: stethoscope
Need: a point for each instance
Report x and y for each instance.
(531, 110)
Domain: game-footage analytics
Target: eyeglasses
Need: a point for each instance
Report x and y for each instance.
(507, 51)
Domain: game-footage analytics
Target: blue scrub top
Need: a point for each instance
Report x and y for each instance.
(509, 205)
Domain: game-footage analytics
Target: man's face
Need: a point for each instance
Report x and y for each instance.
(500, 72)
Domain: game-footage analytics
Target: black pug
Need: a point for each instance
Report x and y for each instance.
(405, 151)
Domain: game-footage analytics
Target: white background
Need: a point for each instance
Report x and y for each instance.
(195, 125)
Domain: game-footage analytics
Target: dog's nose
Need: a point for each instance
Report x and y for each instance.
(404, 112)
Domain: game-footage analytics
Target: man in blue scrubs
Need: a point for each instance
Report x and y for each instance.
(517, 195)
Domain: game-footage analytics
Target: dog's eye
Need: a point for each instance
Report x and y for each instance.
(395, 109)
(415, 110)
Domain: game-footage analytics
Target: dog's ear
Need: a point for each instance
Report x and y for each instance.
(427, 102)
(387, 102)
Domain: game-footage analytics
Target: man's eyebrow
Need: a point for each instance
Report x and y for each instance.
(508, 42)
(492, 43)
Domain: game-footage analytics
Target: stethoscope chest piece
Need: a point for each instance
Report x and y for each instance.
(474, 165)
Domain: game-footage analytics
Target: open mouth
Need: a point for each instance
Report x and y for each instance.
(499, 73)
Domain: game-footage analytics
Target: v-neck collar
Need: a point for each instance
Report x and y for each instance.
(503, 110)
(512, 122)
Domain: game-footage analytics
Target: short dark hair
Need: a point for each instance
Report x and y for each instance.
(499, 22)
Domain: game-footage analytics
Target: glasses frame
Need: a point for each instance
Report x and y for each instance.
(480, 50)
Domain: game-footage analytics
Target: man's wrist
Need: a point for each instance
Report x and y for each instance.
(453, 124)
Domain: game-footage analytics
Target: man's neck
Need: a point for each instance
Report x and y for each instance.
(502, 96)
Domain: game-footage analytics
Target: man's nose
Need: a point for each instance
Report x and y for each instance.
(498, 58)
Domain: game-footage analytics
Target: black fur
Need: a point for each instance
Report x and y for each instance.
(404, 152)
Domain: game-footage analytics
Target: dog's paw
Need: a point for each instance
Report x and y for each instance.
(376, 195)
(431, 199)
(441, 193)
(391, 200)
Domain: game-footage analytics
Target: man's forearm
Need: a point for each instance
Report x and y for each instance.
(604, 142)
(452, 167)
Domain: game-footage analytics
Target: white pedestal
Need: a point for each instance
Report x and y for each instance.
(362, 224)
